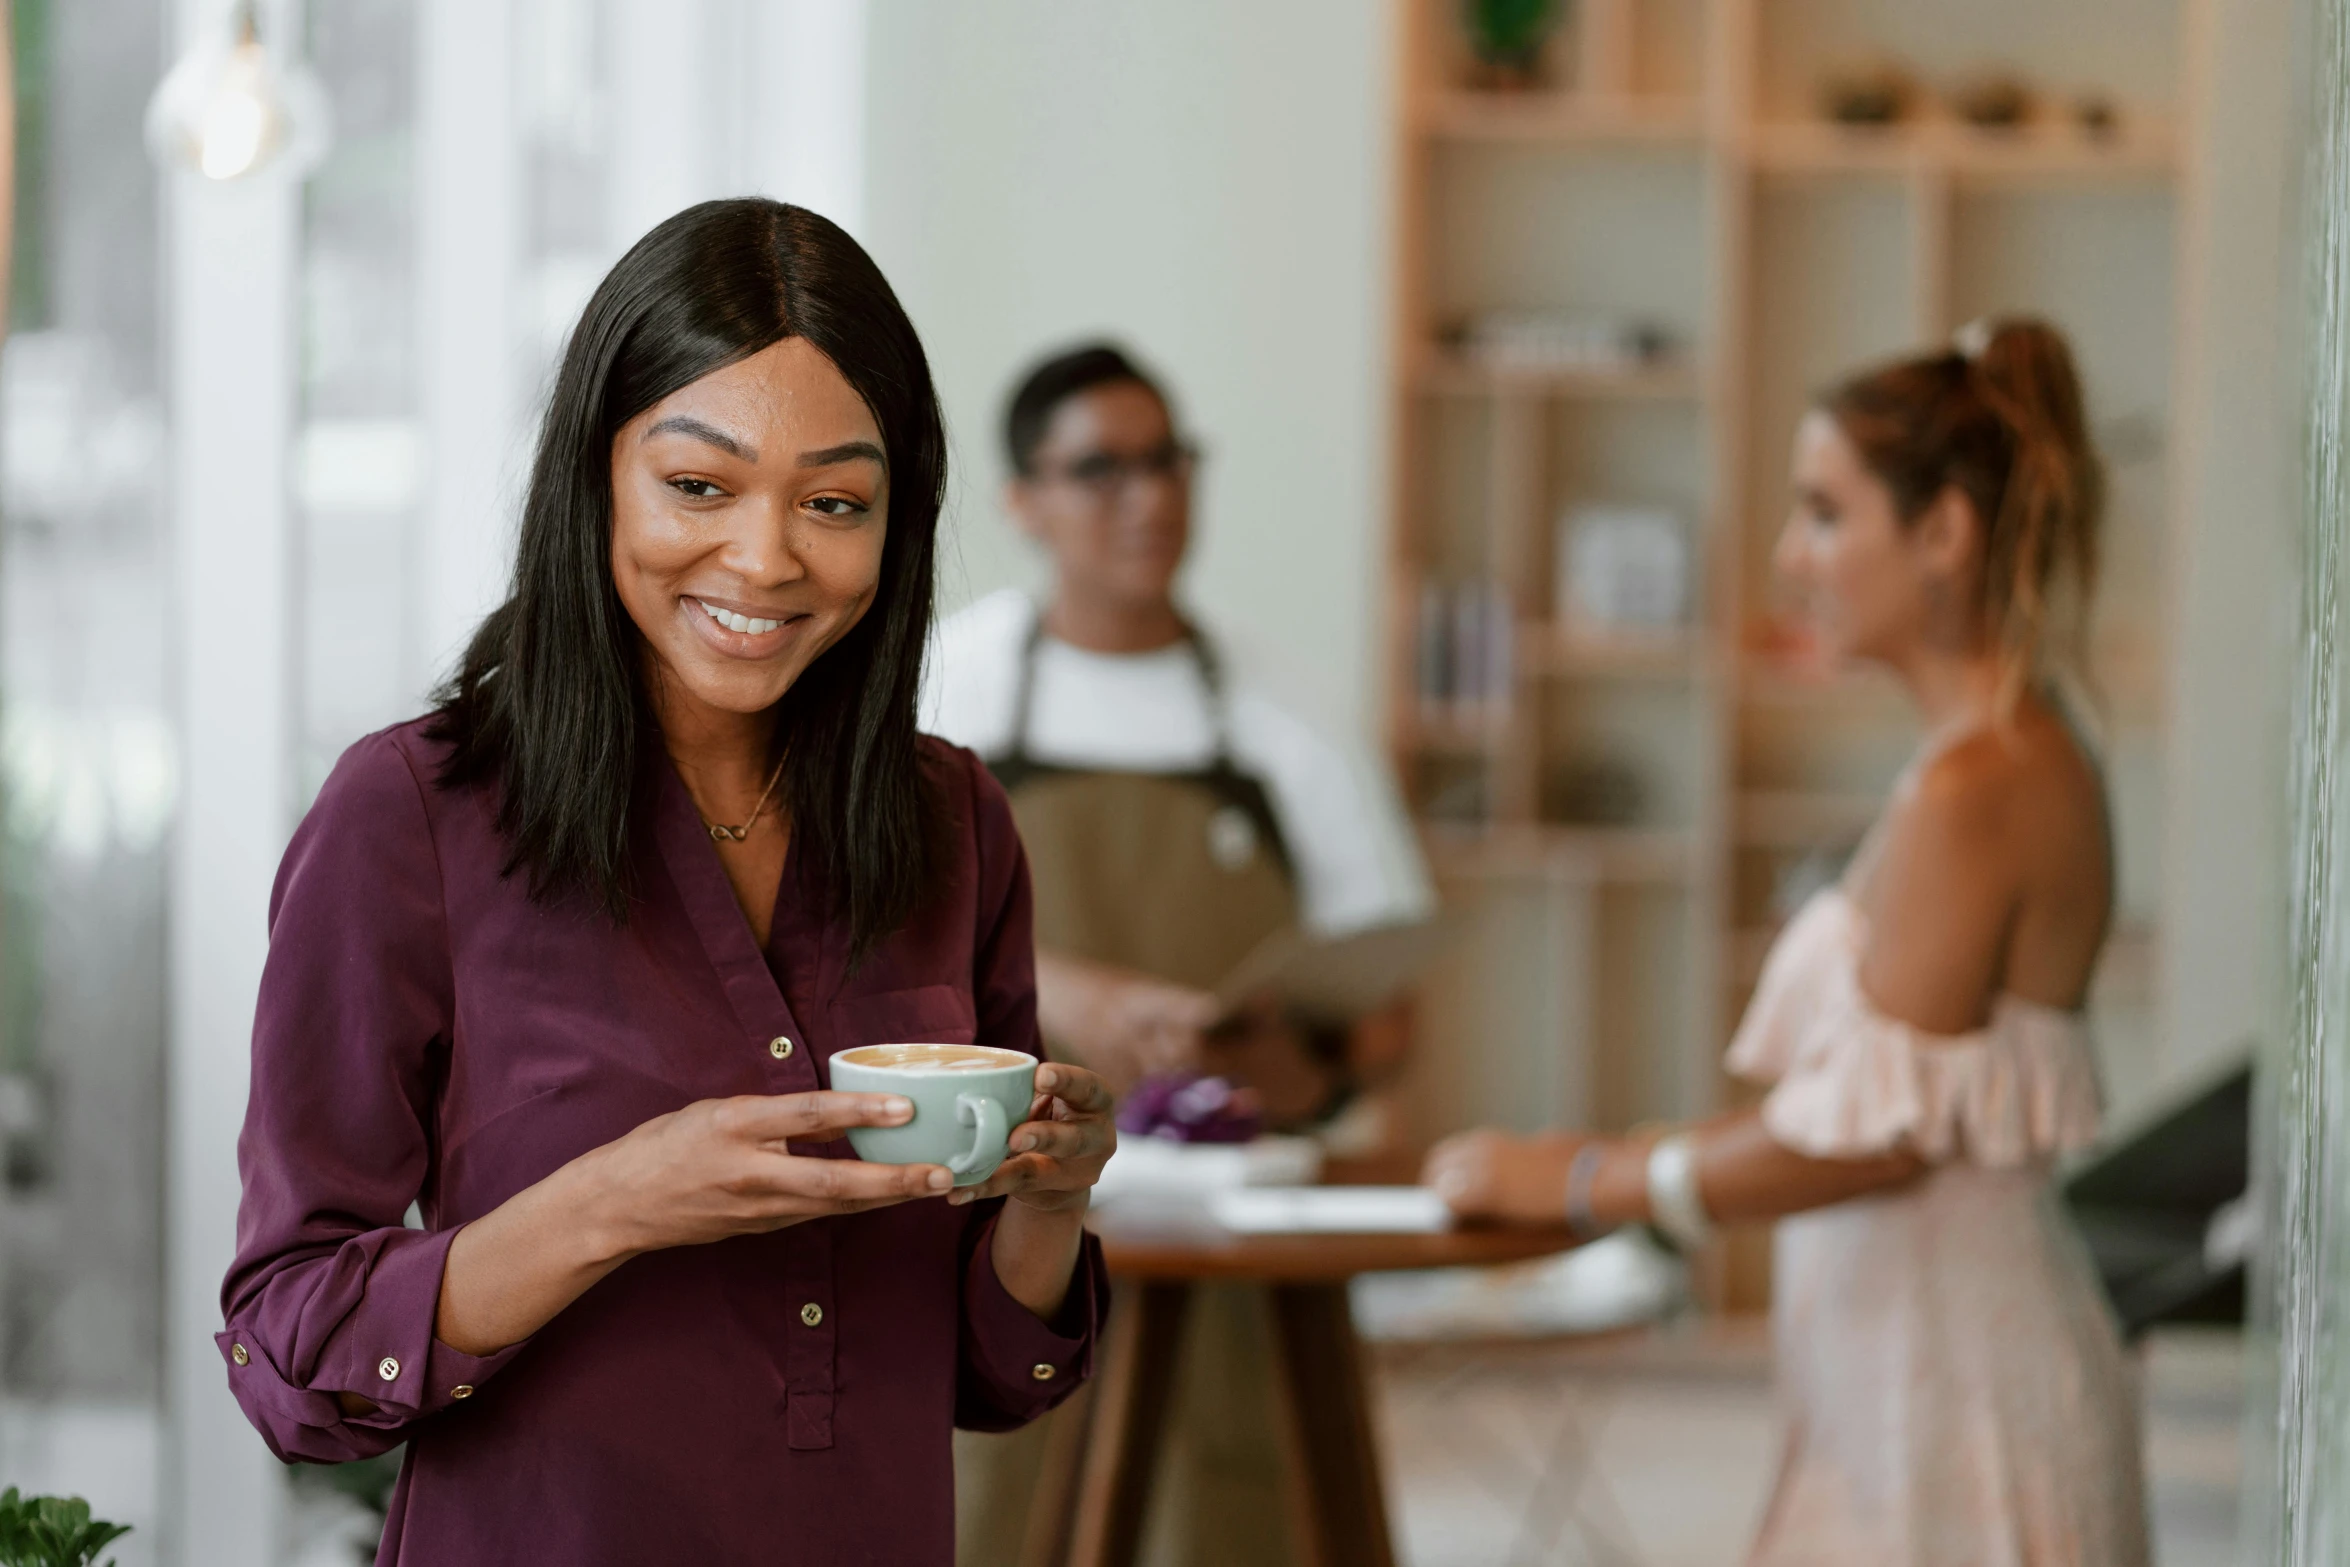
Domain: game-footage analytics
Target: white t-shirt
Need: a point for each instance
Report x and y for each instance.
(1353, 853)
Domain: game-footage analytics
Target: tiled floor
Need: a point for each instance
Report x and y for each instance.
(1650, 1451)
(1658, 1452)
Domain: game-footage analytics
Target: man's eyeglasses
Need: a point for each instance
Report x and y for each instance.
(1107, 473)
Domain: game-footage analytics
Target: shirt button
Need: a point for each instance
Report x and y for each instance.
(1042, 1372)
(779, 1047)
(812, 1314)
(388, 1369)
(462, 1390)
(236, 1352)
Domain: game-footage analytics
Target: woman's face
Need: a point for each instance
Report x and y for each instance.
(748, 513)
(1869, 584)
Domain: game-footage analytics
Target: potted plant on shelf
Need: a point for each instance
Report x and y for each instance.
(52, 1531)
(1507, 36)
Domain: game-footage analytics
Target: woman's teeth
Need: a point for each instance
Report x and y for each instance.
(734, 622)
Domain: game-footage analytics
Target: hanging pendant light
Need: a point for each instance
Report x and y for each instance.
(230, 108)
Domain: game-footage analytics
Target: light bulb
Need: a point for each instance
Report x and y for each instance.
(229, 109)
(240, 127)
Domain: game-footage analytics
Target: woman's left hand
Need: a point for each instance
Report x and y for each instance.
(1058, 1152)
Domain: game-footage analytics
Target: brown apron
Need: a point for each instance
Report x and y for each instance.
(1178, 875)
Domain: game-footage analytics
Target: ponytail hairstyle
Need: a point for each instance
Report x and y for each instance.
(1999, 417)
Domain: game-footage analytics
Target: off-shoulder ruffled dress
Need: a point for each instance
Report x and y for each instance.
(1955, 1390)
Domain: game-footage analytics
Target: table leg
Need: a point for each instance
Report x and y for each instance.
(1341, 1501)
(1132, 1389)
(1053, 1508)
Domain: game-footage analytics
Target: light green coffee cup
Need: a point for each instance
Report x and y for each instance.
(967, 1099)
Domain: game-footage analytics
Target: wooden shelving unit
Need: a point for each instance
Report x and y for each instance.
(1566, 654)
(1671, 172)
(1959, 152)
(1448, 375)
(1580, 856)
(1562, 119)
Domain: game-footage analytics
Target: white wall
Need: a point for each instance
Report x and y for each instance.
(229, 303)
(2233, 597)
(1208, 182)
(473, 381)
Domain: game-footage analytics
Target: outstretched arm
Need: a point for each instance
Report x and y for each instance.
(1942, 899)
(1744, 1174)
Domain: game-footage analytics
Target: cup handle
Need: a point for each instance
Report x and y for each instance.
(987, 1141)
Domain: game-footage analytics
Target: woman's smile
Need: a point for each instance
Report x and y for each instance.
(734, 628)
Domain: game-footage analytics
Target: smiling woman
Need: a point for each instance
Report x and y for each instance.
(706, 437)
(565, 964)
(739, 569)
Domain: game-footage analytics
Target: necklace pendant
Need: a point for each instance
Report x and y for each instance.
(724, 834)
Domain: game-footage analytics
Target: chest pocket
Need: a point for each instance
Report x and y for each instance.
(926, 1015)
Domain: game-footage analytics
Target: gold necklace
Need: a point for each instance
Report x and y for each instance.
(720, 833)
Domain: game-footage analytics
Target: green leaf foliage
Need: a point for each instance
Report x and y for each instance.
(52, 1531)
(1510, 31)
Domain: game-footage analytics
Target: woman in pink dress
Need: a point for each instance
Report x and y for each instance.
(1955, 1389)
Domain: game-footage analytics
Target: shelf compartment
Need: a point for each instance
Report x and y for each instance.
(1563, 652)
(1579, 855)
(2146, 151)
(1567, 119)
(1466, 736)
(1450, 375)
(1517, 228)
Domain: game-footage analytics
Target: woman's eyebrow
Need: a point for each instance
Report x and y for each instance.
(709, 434)
(846, 451)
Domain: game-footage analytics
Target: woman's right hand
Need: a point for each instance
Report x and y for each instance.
(725, 1167)
(718, 1168)
(1122, 1024)
(1501, 1178)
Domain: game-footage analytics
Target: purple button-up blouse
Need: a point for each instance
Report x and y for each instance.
(427, 1033)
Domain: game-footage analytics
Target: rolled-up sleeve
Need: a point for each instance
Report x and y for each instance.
(331, 1293)
(1014, 1364)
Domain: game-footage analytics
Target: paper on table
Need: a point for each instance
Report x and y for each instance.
(1155, 1166)
(1331, 1210)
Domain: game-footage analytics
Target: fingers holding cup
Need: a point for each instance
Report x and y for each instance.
(1083, 1092)
(1056, 1155)
(1066, 1141)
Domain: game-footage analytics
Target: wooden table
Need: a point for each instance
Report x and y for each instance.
(1097, 1482)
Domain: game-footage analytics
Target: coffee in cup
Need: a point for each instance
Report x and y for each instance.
(966, 1098)
(934, 1058)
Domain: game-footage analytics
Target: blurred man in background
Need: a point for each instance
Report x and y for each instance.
(1175, 817)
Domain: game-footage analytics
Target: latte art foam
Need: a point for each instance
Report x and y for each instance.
(935, 1058)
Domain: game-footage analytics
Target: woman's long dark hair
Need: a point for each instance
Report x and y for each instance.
(548, 706)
